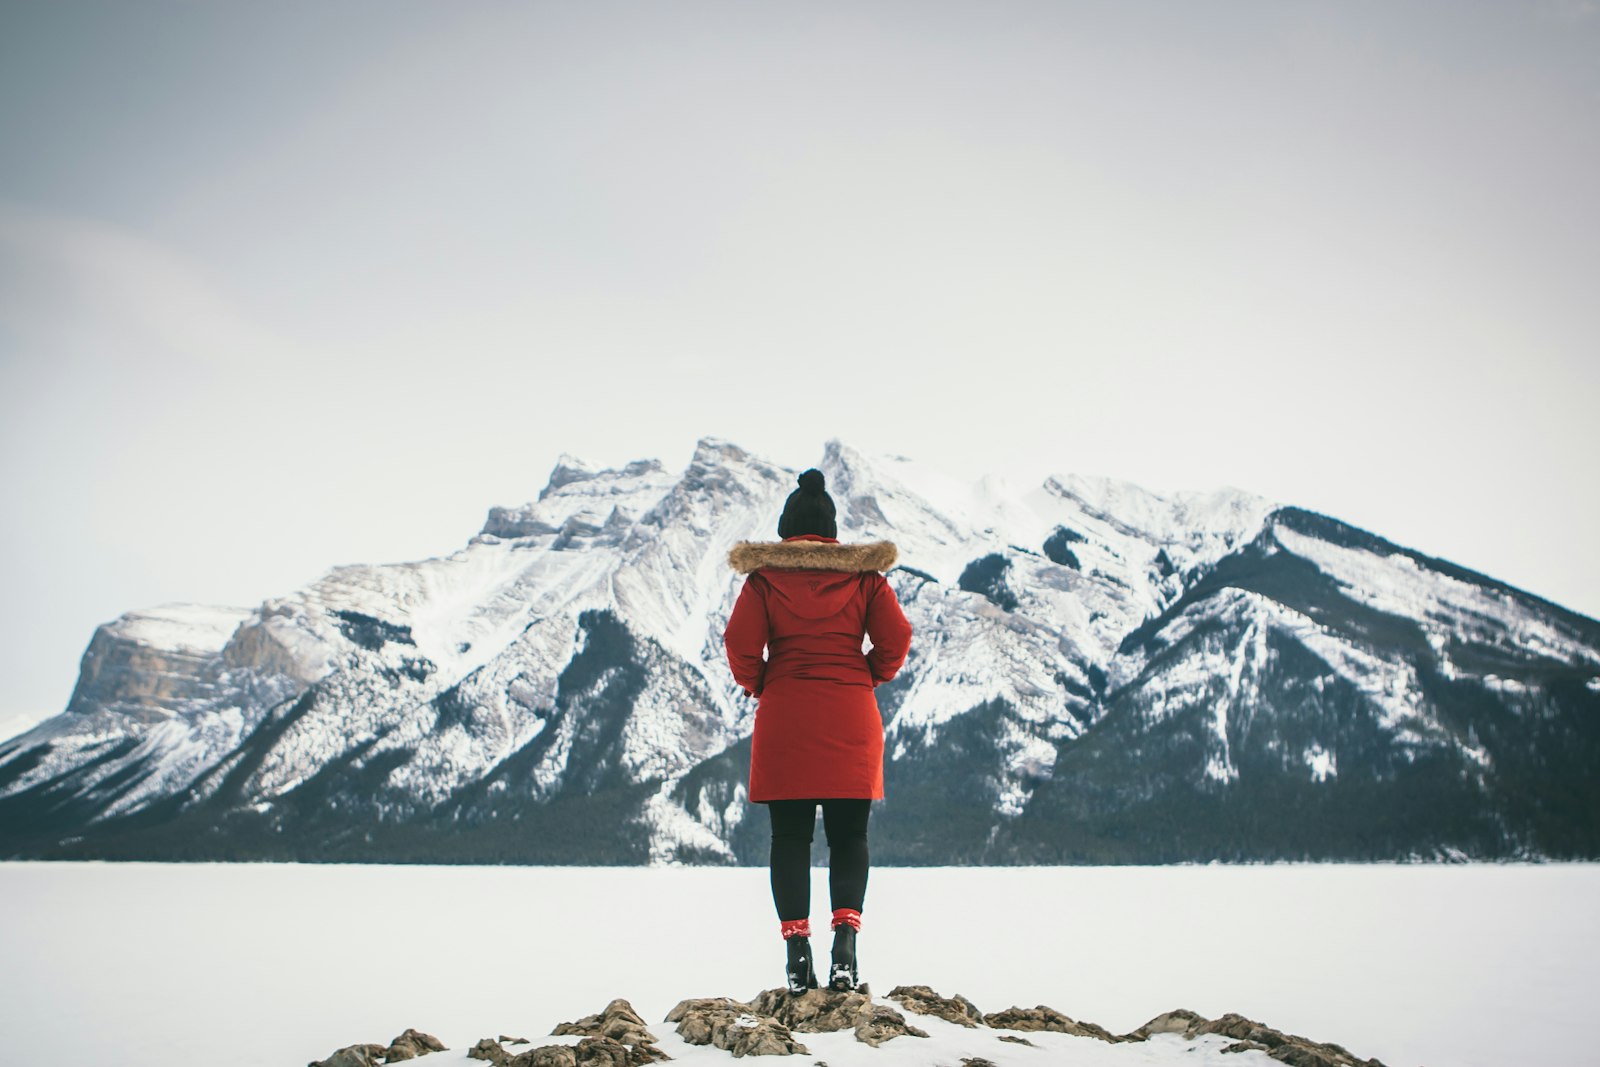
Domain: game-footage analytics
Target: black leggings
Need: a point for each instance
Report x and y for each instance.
(844, 820)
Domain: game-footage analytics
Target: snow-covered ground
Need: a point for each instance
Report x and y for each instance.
(276, 965)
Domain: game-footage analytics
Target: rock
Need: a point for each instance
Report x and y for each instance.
(609, 1052)
(547, 1056)
(816, 1011)
(924, 1001)
(618, 1036)
(592, 1051)
(352, 1056)
(491, 1051)
(1314, 1054)
(697, 1018)
(1178, 1021)
(880, 1023)
(1248, 1034)
(1292, 1049)
(733, 1025)
(1045, 1018)
(410, 1045)
(1238, 1027)
(763, 1037)
(618, 1021)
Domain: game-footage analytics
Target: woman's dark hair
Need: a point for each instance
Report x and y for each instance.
(809, 509)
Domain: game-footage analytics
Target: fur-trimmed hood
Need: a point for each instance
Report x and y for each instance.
(747, 556)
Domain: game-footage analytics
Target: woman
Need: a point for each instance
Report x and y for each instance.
(818, 735)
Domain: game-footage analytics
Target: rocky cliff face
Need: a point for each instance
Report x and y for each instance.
(1099, 673)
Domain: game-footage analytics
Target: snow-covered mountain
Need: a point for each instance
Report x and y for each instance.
(1099, 673)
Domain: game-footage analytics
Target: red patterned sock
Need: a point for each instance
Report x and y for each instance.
(795, 928)
(846, 917)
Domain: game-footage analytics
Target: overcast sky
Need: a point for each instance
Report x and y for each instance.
(290, 285)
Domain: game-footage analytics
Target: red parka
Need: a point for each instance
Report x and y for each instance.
(807, 602)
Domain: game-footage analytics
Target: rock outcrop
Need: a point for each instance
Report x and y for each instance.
(816, 1011)
(733, 1025)
(1247, 1034)
(877, 1023)
(490, 1051)
(614, 1037)
(766, 1025)
(924, 1001)
(618, 1021)
(589, 1052)
(1044, 1018)
(1250, 1035)
(366, 1055)
(820, 1011)
(408, 1046)
(1176, 1021)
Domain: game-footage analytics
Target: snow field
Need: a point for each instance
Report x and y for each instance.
(151, 964)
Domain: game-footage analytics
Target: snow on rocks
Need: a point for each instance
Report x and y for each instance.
(366, 1055)
(924, 1001)
(408, 1046)
(1252, 1036)
(821, 1011)
(618, 1021)
(1046, 1018)
(733, 1025)
(614, 1037)
(766, 1025)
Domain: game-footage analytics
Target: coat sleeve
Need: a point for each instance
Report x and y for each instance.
(889, 630)
(745, 637)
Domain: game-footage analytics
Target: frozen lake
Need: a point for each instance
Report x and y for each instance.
(275, 965)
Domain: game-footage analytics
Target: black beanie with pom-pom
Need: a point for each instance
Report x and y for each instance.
(809, 509)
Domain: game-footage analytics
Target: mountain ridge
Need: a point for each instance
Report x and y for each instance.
(1096, 666)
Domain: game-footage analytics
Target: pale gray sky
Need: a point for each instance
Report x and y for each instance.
(284, 286)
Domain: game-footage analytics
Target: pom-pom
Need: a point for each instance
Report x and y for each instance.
(812, 482)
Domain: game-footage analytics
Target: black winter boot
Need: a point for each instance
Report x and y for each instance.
(801, 973)
(842, 975)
